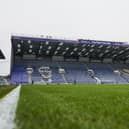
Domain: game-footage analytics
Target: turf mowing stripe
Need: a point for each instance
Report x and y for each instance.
(8, 108)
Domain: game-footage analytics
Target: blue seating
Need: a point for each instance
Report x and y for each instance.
(105, 72)
(18, 75)
(75, 72)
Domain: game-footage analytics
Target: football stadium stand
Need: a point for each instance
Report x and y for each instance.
(44, 60)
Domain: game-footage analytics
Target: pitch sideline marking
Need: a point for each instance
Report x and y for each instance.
(8, 107)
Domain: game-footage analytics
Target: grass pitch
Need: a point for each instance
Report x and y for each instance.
(73, 107)
(5, 90)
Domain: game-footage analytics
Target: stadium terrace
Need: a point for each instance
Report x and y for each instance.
(47, 60)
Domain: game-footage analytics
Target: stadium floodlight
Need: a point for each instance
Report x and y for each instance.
(121, 52)
(29, 41)
(39, 51)
(47, 52)
(83, 45)
(86, 54)
(18, 50)
(79, 53)
(83, 49)
(49, 47)
(22, 41)
(63, 53)
(30, 46)
(18, 45)
(100, 46)
(75, 49)
(114, 55)
(30, 50)
(113, 52)
(91, 50)
(108, 47)
(41, 46)
(47, 43)
(116, 48)
(60, 44)
(71, 53)
(101, 54)
(67, 49)
(92, 45)
(55, 52)
(41, 43)
(127, 48)
(106, 51)
(58, 48)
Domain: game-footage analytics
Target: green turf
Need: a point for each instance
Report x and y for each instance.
(73, 107)
(4, 90)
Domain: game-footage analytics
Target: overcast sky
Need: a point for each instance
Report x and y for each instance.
(90, 19)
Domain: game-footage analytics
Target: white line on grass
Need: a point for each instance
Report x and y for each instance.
(8, 109)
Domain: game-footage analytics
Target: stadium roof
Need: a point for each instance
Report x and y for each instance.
(93, 49)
